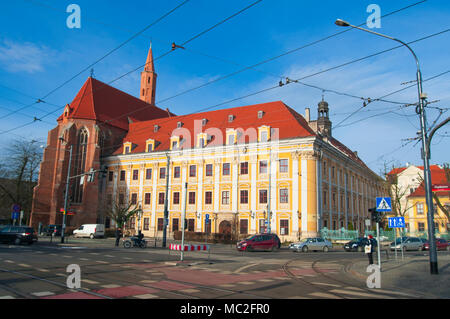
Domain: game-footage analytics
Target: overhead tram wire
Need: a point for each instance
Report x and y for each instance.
(234, 73)
(154, 59)
(260, 63)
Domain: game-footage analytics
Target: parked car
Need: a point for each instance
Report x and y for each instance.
(441, 244)
(407, 243)
(90, 230)
(50, 230)
(259, 242)
(316, 243)
(18, 235)
(356, 244)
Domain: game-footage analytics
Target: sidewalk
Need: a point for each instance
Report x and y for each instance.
(410, 274)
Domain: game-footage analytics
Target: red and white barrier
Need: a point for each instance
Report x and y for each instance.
(188, 247)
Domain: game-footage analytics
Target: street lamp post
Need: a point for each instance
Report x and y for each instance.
(66, 196)
(425, 146)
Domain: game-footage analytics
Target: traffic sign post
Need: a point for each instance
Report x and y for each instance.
(397, 222)
(383, 204)
(206, 230)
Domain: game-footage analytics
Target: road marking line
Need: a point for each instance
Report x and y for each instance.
(325, 284)
(265, 280)
(23, 265)
(190, 291)
(246, 282)
(110, 286)
(42, 293)
(227, 285)
(9, 261)
(146, 296)
(42, 270)
(109, 256)
(7, 297)
(101, 262)
(84, 259)
(357, 293)
(324, 295)
(298, 297)
(245, 267)
(147, 281)
(92, 282)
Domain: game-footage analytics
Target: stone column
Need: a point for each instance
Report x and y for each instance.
(254, 195)
(295, 190)
(200, 164)
(154, 195)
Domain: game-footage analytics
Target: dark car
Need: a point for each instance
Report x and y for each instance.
(259, 242)
(357, 244)
(18, 235)
(52, 230)
(441, 244)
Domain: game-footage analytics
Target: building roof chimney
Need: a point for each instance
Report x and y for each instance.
(307, 115)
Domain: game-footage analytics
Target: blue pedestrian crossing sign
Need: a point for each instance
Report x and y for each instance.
(396, 222)
(383, 204)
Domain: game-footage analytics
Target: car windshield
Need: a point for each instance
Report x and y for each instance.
(400, 240)
(250, 237)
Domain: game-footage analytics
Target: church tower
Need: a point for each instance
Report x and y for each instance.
(148, 80)
(323, 119)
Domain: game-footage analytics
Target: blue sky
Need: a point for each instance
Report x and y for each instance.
(38, 52)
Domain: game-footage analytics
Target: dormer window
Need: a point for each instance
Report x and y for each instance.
(204, 121)
(175, 142)
(150, 145)
(127, 148)
(260, 114)
(264, 133)
(230, 118)
(179, 124)
(156, 128)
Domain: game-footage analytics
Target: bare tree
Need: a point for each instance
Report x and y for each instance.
(19, 171)
(121, 214)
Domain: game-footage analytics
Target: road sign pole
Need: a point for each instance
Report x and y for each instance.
(379, 244)
(395, 244)
(184, 218)
(66, 196)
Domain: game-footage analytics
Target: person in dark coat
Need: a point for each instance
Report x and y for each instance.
(118, 235)
(371, 243)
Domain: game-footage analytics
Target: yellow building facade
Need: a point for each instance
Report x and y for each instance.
(271, 170)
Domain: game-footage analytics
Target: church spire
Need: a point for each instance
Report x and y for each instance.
(148, 80)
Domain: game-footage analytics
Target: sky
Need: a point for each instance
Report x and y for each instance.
(42, 58)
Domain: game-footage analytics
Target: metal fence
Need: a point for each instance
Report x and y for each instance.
(385, 235)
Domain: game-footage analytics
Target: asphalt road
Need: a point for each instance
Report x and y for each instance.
(108, 272)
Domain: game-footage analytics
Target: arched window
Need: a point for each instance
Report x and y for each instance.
(79, 166)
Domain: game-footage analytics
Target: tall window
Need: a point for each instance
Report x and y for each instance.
(192, 171)
(191, 198)
(243, 226)
(148, 173)
(134, 199)
(225, 197)
(191, 224)
(110, 176)
(80, 166)
(161, 198)
(160, 224)
(263, 167)
(284, 196)
(419, 208)
(263, 196)
(146, 223)
(176, 198)
(244, 196)
(284, 226)
(209, 170)
(226, 169)
(135, 175)
(147, 198)
(175, 224)
(162, 172)
(244, 168)
(122, 175)
(208, 198)
(284, 166)
(176, 172)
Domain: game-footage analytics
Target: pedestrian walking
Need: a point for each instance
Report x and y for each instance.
(118, 235)
(369, 249)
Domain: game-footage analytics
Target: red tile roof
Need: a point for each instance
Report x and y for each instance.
(438, 177)
(276, 115)
(99, 101)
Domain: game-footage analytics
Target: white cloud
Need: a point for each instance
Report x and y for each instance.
(24, 57)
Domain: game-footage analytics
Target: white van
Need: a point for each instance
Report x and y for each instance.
(90, 230)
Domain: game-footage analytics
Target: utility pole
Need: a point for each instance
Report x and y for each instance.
(166, 203)
(184, 219)
(66, 196)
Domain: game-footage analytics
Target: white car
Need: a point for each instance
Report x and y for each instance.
(311, 244)
(90, 230)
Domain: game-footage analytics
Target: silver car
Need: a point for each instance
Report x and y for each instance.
(316, 243)
(407, 243)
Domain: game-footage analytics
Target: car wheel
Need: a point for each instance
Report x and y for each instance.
(325, 249)
(127, 244)
(305, 249)
(92, 236)
(17, 241)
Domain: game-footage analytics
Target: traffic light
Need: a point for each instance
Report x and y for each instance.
(375, 216)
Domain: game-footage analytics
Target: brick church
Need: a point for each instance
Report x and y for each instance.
(94, 123)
